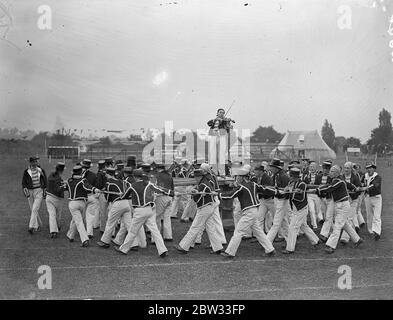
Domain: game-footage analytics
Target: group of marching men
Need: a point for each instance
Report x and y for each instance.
(270, 203)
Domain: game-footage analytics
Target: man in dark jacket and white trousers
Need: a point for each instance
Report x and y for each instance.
(54, 198)
(93, 204)
(373, 201)
(34, 188)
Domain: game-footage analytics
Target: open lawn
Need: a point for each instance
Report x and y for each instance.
(93, 272)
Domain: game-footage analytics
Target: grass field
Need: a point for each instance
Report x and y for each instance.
(95, 273)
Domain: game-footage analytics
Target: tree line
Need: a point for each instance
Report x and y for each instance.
(380, 141)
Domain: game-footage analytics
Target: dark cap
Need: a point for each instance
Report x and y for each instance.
(128, 169)
(259, 168)
(34, 158)
(131, 161)
(108, 160)
(60, 166)
(371, 165)
(110, 170)
(146, 167)
(160, 166)
(199, 172)
(275, 163)
(326, 164)
(138, 173)
(86, 163)
(120, 165)
(294, 172)
(77, 169)
(294, 162)
(101, 163)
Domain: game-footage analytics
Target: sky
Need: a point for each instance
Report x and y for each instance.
(126, 64)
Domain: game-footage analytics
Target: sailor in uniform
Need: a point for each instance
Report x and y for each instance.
(34, 188)
(340, 197)
(54, 198)
(247, 192)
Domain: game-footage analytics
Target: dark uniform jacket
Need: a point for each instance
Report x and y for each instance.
(376, 184)
(299, 197)
(323, 180)
(338, 189)
(280, 180)
(264, 180)
(27, 181)
(165, 180)
(55, 187)
(352, 184)
(247, 193)
(142, 192)
(100, 179)
(116, 186)
(78, 188)
(91, 177)
(206, 186)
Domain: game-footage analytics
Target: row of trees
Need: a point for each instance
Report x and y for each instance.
(381, 138)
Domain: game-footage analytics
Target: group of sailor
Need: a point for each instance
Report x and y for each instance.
(133, 204)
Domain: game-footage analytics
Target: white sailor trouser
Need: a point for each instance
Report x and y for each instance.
(55, 207)
(119, 210)
(77, 207)
(203, 218)
(163, 213)
(35, 200)
(342, 210)
(266, 213)
(92, 209)
(237, 214)
(189, 210)
(177, 201)
(329, 217)
(103, 211)
(359, 209)
(352, 219)
(314, 208)
(145, 215)
(219, 227)
(140, 240)
(218, 153)
(248, 219)
(280, 219)
(374, 209)
(299, 223)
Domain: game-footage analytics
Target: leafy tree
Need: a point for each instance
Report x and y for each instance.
(105, 141)
(353, 142)
(134, 137)
(328, 134)
(266, 134)
(382, 136)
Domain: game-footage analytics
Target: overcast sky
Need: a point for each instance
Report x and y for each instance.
(129, 64)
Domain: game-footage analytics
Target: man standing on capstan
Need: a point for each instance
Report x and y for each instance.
(34, 188)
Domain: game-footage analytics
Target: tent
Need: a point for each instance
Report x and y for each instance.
(298, 144)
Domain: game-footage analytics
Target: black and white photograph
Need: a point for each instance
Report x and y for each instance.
(209, 151)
